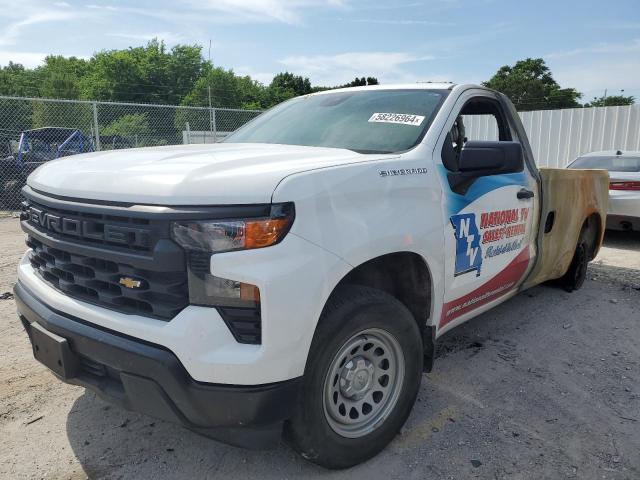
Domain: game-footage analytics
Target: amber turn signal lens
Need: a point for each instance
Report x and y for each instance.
(215, 236)
(262, 233)
(249, 293)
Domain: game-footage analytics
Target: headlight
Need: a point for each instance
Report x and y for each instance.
(215, 236)
(202, 238)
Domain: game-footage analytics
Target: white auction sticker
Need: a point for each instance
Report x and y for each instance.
(401, 118)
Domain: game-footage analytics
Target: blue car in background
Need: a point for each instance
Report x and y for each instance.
(34, 148)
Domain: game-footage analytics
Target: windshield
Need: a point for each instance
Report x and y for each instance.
(615, 163)
(376, 121)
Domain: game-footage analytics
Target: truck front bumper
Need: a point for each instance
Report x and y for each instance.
(148, 378)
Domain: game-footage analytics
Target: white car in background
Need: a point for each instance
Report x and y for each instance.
(624, 185)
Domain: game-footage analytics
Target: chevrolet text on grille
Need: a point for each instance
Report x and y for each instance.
(88, 229)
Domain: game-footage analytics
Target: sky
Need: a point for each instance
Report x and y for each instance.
(590, 45)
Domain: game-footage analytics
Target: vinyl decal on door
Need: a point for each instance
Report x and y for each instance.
(502, 283)
(468, 251)
(486, 242)
(498, 234)
(503, 226)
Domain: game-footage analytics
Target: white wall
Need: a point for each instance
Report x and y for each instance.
(202, 136)
(559, 136)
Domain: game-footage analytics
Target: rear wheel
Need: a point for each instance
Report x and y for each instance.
(577, 273)
(361, 381)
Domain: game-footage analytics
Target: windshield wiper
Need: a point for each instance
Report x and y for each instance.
(366, 152)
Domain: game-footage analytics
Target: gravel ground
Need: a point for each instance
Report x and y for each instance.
(547, 385)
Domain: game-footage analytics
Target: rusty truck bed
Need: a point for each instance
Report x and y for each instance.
(568, 197)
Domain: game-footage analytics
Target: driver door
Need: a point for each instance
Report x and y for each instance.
(489, 218)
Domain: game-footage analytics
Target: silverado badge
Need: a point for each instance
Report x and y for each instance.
(130, 282)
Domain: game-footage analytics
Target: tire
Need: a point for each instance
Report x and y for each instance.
(577, 273)
(361, 330)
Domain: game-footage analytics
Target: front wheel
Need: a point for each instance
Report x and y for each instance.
(361, 380)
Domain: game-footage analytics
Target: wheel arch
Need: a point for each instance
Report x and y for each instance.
(406, 276)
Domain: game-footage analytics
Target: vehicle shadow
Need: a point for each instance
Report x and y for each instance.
(626, 277)
(622, 240)
(464, 407)
(111, 442)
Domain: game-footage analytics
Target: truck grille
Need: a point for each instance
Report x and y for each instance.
(112, 230)
(122, 257)
(158, 294)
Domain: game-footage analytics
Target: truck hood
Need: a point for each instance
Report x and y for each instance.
(226, 173)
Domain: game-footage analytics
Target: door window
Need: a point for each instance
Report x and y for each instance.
(481, 119)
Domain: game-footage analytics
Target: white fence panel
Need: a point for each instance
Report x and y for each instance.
(203, 136)
(557, 137)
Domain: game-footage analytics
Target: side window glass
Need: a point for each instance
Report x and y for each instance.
(453, 144)
(485, 121)
(483, 127)
(480, 120)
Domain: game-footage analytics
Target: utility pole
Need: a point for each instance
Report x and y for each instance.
(96, 126)
(211, 112)
(209, 82)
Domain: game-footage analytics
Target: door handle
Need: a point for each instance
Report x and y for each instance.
(524, 194)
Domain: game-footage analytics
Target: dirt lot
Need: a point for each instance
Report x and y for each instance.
(545, 386)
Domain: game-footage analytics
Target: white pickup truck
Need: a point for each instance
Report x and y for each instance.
(293, 280)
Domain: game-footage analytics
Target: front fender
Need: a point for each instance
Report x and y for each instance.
(358, 214)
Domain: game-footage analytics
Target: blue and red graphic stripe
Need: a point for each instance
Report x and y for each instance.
(501, 284)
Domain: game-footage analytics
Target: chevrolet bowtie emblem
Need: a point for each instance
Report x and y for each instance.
(130, 282)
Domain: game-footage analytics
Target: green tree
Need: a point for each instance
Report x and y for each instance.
(63, 114)
(530, 86)
(60, 76)
(133, 126)
(15, 80)
(222, 86)
(185, 65)
(611, 101)
(19, 118)
(149, 74)
(272, 95)
(226, 90)
(16, 115)
(361, 82)
(288, 82)
(128, 125)
(254, 94)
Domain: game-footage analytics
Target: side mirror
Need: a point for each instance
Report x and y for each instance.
(491, 158)
(479, 159)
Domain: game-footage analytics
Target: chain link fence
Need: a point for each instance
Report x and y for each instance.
(36, 130)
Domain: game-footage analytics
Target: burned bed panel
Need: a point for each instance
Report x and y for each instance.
(569, 198)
